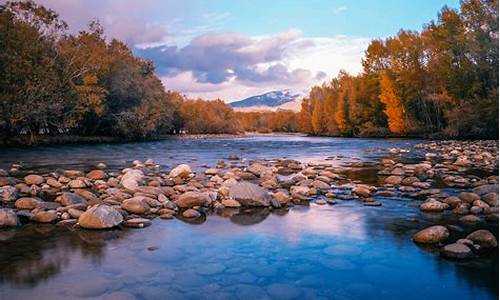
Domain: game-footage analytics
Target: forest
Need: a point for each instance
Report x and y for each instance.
(441, 82)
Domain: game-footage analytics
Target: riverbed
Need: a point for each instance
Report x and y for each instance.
(344, 251)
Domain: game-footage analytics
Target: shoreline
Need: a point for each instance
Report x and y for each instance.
(99, 199)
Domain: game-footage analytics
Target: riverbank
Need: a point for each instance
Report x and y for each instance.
(101, 199)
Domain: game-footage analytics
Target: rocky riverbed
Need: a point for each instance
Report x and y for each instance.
(454, 178)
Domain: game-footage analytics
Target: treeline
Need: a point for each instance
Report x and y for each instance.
(57, 84)
(441, 82)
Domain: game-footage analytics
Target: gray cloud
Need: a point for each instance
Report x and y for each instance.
(219, 57)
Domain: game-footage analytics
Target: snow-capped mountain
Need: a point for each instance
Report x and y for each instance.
(275, 100)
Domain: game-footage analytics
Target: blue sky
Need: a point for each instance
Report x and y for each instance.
(234, 49)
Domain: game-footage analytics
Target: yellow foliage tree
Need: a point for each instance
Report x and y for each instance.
(394, 110)
(317, 117)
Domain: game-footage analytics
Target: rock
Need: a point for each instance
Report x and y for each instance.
(461, 209)
(75, 213)
(28, 203)
(191, 213)
(282, 197)
(249, 194)
(470, 219)
(230, 203)
(150, 190)
(137, 222)
(485, 189)
(96, 175)
(166, 216)
(275, 203)
(34, 179)
(321, 202)
(456, 251)
(8, 218)
(491, 199)
(101, 166)
(320, 185)
(67, 199)
(191, 199)
(452, 201)
(468, 197)
(8, 193)
(212, 171)
(183, 171)
(44, 216)
(135, 205)
(77, 184)
(258, 169)
(99, 216)
(431, 235)
(361, 191)
(394, 180)
(131, 179)
(484, 238)
(54, 183)
(433, 205)
(372, 203)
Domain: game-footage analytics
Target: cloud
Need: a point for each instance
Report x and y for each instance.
(340, 9)
(243, 66)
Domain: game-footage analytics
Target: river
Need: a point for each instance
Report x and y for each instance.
(344, 251)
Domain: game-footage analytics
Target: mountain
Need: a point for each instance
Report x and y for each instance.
(275, 100)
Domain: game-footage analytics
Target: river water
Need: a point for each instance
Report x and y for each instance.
(345, 251)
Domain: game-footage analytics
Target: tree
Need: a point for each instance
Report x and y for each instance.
(393, 108)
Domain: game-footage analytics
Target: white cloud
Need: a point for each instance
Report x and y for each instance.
(339, 9)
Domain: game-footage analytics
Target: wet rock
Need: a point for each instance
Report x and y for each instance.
(54, 183)
(96, 175)
(452, 201)
(137, 222)
(191, 213)
(275, 203)
(468, 197)
(8, 218)
(49, 216)
(99, 217)
(135, 205)
(432, 235)
(75, 213)
(394, 180)
(485, 189)
(230, 203)
(132, 179)
(456, 251)
(432, 205)
(191, 199)
(249, 194)
(320, 185)
(258, 169)
(34, 179)
(461, 209)
(320, 201)
(28, 203)
(470, 219)
(491, 199)
(8, 193)
(67, 199)
(372, 203)
(183, 171)
(484, 238)
(361, 191)
(77, 184)
(282, 197)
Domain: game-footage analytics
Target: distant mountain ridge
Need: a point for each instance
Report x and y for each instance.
(274, 100)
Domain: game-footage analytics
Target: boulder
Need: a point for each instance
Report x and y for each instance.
(468, 197)
(456, 251)
(135, 205)
(433, 205)
(191, 199)
(394, 180)
(483, 238)
(28, 203)
(485, 189)
(67, 199)
(96, 175)
(491, 199)
(230, 203)
(431, 235)
(100, 217)
(183, 171)
(8, 218)
(249, 194)
(8, 193)
(191, 213)
(131, 179)
(34, 179)
(44, 216)
(361, 191)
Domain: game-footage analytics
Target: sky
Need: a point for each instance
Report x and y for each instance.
(232, 49)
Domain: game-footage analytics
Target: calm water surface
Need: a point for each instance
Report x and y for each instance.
(346, 251)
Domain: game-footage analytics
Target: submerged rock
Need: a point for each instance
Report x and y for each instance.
(456, 251)
(8, 218)
(483, 238)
